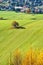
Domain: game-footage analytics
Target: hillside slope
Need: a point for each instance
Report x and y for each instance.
(24, 39)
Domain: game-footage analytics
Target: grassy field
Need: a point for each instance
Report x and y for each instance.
(24, 39)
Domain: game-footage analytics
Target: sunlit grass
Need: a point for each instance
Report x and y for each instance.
(23, 39)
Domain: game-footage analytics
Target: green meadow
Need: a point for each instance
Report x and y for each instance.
(23, 39)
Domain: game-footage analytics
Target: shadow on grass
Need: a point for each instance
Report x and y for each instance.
(1, 18)
(20, 27)
(33, 19)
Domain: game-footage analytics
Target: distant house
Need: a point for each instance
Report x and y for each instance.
(25, 9)
(18, 8)
(38, 9)
(1, 1)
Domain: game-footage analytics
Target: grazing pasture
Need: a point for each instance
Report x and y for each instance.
(23, 39)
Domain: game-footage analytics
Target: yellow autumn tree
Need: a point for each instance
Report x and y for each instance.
(30, 58)
(17, 58)
(40, 58)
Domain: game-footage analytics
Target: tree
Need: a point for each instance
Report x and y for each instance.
(15, 24)
(30, 58)
(40, 58)
(17, 60)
